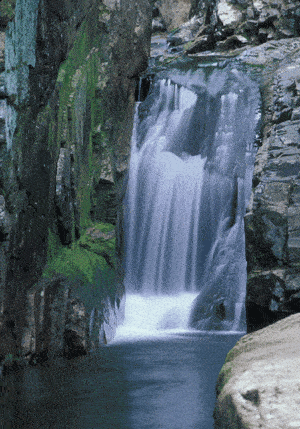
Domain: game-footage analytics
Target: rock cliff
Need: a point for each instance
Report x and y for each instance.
(272, 221)
(258, 385)
(70, 71)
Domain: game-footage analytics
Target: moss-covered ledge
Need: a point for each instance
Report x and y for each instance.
(76, 305)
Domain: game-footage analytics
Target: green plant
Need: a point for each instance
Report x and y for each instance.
(82, 78)
(87, 263)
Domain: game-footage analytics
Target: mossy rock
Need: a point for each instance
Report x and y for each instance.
(88, 263)
(82, 81)
(7, 8)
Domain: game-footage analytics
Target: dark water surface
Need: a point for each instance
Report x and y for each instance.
(158, 384)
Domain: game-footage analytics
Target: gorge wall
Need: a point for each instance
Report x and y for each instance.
(67, 93)
(66, 121)
(272, 221)
(68, 103)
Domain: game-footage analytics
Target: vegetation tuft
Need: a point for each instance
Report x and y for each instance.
(87, 263)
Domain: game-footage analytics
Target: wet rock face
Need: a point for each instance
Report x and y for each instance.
(272, 222)
(58, 323)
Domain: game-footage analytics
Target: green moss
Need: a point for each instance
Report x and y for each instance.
(230, 355)
(81, 258)
(74, 262)
(88, 263)
(223, 378)
(82, 79)
(10, 359)
(188, 45)
(7, 8)
(99, 244)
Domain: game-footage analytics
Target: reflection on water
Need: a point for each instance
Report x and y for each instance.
(159, 384)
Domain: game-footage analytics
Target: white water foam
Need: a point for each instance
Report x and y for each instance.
(155, 316)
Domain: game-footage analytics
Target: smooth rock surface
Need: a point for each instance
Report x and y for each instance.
(174, 12)
(259, 384)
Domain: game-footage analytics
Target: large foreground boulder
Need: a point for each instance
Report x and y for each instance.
(259, 384)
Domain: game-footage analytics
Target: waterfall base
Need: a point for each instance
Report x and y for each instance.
(155, 316)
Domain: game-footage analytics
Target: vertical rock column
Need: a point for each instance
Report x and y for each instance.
(272, 223)
(28, 172)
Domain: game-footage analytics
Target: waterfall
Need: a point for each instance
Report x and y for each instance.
(189, 182)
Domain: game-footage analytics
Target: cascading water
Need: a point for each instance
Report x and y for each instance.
(189, 182)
